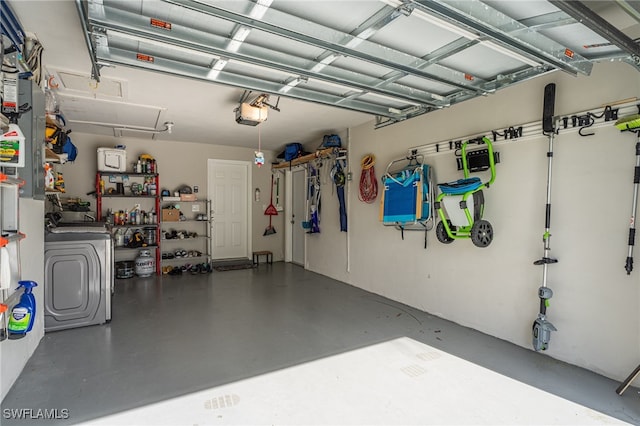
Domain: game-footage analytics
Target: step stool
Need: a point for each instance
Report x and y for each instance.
(266, 253)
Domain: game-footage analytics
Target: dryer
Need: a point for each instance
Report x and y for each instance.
(78, 275)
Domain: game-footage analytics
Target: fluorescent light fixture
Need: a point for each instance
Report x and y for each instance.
(496, 47)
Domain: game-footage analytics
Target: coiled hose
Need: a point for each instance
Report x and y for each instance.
(368, 181)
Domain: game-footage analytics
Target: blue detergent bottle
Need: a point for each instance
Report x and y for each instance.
(24, 313)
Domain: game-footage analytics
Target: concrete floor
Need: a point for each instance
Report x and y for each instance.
(176, 335)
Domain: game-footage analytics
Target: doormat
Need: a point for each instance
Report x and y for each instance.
(222, 268)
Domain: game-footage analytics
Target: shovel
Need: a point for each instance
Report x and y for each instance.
(270, 211)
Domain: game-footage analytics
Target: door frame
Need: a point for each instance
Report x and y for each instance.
(211, 163)
(288, 215)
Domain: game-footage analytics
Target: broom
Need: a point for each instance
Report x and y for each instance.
(270, 211)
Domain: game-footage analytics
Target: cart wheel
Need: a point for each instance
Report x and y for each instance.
(481, 233)
(441, 233)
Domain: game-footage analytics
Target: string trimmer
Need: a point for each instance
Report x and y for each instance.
(632, 123)
(541, 327)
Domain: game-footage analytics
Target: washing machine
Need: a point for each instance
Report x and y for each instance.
(78, 277)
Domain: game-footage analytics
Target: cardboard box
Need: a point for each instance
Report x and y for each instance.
(188, 197)
(170, 215)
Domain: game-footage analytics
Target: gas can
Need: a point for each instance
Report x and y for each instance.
(145, 264)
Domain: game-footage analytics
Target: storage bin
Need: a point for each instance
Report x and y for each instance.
(112, 160)
(170, 215)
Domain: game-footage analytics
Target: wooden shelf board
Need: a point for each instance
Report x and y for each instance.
(304, 159)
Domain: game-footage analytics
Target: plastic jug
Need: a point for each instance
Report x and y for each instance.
(3, 321)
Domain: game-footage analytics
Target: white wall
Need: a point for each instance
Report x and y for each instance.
(595, 305)
(179, 163)
(14, 354)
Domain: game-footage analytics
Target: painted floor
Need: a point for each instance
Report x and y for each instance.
(281, 345)
(400, 381)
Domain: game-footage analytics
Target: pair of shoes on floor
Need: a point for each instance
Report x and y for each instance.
(206, 268)
(170, 270)
(175, 271)
(202, 268)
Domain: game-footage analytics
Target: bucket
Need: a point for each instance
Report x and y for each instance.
(124, 269)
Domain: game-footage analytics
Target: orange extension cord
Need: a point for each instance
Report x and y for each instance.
(368, 181)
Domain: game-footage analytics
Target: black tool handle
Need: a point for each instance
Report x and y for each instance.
(548, 108)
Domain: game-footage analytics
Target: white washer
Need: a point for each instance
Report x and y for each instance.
(78, 277)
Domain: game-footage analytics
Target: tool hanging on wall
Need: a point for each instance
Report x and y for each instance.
(270, 211)
(406, 201)
(312, 225)
(339, 177)
(542, 328)
(368, 182)
(632, 124)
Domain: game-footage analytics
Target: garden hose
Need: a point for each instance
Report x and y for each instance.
(368, 181)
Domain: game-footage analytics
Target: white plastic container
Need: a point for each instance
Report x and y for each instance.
(112, 160)
(12, 147)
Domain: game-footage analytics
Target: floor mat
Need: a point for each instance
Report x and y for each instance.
(222, 268)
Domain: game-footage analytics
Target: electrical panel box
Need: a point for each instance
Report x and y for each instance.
(32, 123)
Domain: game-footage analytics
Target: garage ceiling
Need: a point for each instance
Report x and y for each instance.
(326, 65)
(392, 59)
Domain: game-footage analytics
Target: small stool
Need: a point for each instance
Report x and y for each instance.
(266, 253)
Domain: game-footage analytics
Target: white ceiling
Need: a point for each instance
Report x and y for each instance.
(386, 71)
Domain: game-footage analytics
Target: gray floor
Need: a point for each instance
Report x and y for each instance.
(174, 335)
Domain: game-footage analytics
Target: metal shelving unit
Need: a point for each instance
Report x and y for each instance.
(200, 243)
(103, 194)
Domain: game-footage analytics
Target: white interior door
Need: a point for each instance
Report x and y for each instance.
(299, 214)
(228, 189)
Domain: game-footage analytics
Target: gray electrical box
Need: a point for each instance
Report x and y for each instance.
(32, 123)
